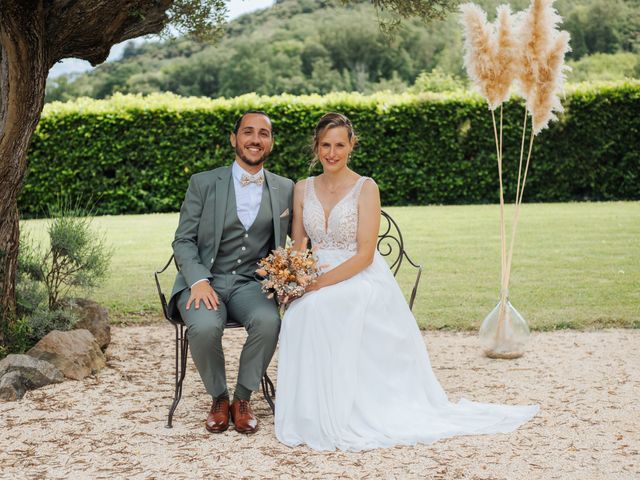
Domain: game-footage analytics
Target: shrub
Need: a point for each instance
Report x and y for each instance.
(31, 294)
(77, 257)
(17, 335)
(42, 322)
(27, 330)
(135, 154)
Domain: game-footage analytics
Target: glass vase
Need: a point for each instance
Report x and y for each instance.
(504, 332)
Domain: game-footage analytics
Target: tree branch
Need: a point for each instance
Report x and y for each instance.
(87, 29)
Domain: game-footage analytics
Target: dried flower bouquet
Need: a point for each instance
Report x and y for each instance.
(287, 272)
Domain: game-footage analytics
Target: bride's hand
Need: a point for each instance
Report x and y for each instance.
(316, 285)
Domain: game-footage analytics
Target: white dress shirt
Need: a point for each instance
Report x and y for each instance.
(248, 197)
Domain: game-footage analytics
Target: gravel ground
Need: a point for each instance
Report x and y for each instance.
(112, 425)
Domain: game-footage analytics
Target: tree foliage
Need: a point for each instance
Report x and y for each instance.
(320, 46)
(296, 47)
(202, 19)
(605, 67)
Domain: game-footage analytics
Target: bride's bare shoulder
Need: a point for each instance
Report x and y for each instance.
(368, 181)
(370, 193)
(300, 184)
(300, 187)
(368, 184)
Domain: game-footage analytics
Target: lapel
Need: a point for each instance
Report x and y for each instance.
(222, 193)
(274, 193)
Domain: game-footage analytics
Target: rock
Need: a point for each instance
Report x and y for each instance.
(11, 387)
(75, 353)
(19, 373)
(33, 372)
(93, 317)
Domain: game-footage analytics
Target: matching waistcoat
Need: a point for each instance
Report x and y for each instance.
(241, 249)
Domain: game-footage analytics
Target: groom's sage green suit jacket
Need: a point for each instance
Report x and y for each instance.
(201, 224)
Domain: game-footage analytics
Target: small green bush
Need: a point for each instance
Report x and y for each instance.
(18, 337)
(31, 296)
(42, 322)
(31, 293)
(77, 257)
(32, 307)
(27, 330)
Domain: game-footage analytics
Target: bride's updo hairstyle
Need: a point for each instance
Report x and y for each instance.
(328, 121)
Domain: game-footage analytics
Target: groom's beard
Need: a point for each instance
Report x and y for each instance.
(248, 161)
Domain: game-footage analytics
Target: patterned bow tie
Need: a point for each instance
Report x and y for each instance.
(247, 179)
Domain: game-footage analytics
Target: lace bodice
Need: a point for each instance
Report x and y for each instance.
(338, 232)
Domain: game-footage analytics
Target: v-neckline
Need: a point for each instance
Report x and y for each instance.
(326, 217)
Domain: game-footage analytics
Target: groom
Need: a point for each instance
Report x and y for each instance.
(231, 217)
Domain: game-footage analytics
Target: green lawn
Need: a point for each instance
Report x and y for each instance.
(576, 265)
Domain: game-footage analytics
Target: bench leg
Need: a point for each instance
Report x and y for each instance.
(182, 349)
(414, 292)
(269, 392)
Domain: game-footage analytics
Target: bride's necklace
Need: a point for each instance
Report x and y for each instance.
(335, 188)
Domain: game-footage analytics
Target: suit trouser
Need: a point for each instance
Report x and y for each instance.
(242, 300)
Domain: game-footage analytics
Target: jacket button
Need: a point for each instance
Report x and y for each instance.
(212, 260)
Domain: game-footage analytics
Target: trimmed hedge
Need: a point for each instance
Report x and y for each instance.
(135, 154)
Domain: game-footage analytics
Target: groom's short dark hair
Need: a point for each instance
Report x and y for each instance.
(236, 127)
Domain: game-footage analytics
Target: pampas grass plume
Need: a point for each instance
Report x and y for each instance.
(545, 101)
(536, 33)
(478, 46)
(491, 52)
(526, 47)
(506, 55)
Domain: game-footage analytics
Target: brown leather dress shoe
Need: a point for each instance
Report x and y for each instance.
(218, 419)
(243, 418)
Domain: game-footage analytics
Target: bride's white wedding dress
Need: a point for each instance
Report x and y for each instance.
(353, 369)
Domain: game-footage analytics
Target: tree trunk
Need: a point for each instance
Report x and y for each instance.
(23, 75)
(34, 34)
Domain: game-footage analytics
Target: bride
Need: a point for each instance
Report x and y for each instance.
(353, 369)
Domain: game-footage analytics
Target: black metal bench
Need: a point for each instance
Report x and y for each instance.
(390, 245)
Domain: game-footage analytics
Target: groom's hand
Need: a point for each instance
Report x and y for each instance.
(203, 292)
